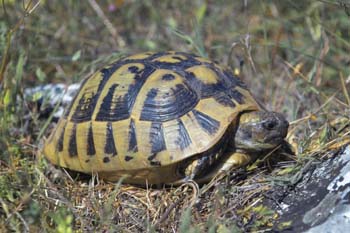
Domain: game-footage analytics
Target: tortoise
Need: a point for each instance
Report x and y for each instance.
(163, 118)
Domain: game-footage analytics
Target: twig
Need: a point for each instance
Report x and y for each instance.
(112, 30)
(25, 224)
(346, 94)
(167, 212)
(319, 69)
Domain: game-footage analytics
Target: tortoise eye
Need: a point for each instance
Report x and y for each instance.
(270, 125)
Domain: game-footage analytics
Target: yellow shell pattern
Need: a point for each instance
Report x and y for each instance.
(141, 116)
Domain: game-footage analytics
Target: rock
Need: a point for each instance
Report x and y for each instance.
(51, 97)
(320, 201)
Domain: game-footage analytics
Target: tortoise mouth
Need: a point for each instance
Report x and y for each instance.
(274, 139)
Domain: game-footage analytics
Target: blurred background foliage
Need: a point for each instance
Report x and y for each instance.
(295, 53)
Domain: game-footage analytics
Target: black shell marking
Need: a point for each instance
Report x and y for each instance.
(128, 158)
(132, 137)
(109, 113)
(152, 156)
(181, 65)
(147, 59)
(164, 106)
(225, 100)
(68, 110)
(72, 147)
(134, 69)
(178, 57)
(90, 142)
(183, 140)
(61, 139)
(206, 90)
(236, 95)
(153, 162)
(117, 107)
(168, 77)
(223, 91)
(85, 108)
(207, 123)
(106, 160)
(234, 80)
(156, 137)
(110, 146)
(88, 100)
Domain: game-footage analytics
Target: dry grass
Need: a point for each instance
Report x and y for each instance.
(296, 62)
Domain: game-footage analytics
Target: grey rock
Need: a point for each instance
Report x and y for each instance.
(320, 201)
(332, 214)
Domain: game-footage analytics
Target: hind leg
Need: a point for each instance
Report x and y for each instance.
(235, 160)
(196, 168)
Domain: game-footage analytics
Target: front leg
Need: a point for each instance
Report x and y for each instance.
(235, 160)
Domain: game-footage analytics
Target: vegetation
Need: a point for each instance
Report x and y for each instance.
(296, 61)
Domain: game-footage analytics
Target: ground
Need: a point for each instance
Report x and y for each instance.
(296, 61)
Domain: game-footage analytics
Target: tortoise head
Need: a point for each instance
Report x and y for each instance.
(260, 130)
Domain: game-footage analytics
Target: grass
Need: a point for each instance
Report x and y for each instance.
(295, 61)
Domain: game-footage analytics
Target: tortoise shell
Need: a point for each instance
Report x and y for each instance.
(143, 115)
